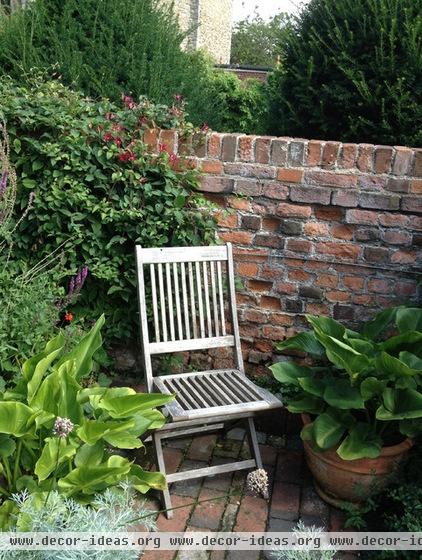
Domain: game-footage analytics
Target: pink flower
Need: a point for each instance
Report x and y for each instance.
(110, 116)
(205, 127)
(174, 159)
(118, 141)
(143, 180)
(128, 101)
(128, 155)
(162, 147)
(178, 97)
(108, 137)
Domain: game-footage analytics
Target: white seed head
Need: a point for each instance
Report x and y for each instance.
(257, 483)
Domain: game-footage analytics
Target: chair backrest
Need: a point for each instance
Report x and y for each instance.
(191, 287)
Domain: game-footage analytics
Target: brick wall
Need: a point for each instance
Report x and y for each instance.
(317, 227)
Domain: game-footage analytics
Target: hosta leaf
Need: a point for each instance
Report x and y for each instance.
(307, 403)
(92, 431)
(90, 454)
(327, 431)
(409, 319)
(305, 341)
(314, 386)
(394, 366)
(39, 372)
(400, 404)
(145, 480)
(15, 418)
(411, 341)
(411, 360)
(371, 386)
(55, 451)
(327, 326)
(362, 442)
(340, 394)
(122, 407)
(82, 353)
(372, 329)
(344, 356)
(7, 446)
(29, 366)
(123, 440)
(289, 372)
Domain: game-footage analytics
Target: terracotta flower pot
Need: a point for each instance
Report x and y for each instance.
(338, 481)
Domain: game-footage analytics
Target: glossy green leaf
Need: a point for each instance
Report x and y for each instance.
(409, 319)
(122, 407)
(362, 442)
(28, 367)
(312, 385)
(371, 387)
(327, 431)
(344, 356)
(307, 403)
(82, 353)
(305, 341)
(394, 366)
(400, 404)
(15, 418)
(289, 372)
(327, 326)
(91, 455)
(373, 329)
(56, 450)
(145, 480)
(340, 394)
(7, 446)
(92, 431)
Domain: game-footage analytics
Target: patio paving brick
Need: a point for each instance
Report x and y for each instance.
(292, 496)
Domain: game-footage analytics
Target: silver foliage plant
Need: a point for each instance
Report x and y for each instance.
(113, 510)
(302, 531)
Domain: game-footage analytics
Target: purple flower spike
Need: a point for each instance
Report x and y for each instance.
(71, 287)
(3, 183)
(78, 281)
(84, 273)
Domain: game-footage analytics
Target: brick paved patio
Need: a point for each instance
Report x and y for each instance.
(292, 496)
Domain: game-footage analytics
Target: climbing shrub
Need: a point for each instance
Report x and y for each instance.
(98, 191)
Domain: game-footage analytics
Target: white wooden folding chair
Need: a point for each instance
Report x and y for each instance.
(189, 287)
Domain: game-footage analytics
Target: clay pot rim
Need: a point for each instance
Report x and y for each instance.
(331, 456)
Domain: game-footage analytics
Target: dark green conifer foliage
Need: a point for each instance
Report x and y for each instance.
(352, 70)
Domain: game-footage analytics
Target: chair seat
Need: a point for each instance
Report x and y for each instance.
(213, 393)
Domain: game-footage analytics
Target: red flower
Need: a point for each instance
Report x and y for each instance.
(162, 147)
(110, 116)
(118, 141)
(178, 97)
(108, 137)
(119, 127)
(68, 317)
(174, 159)
(128, 155)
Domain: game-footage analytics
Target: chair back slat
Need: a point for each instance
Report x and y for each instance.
(192, 289)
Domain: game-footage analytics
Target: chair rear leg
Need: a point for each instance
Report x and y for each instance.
(253, 443)
(162, 468)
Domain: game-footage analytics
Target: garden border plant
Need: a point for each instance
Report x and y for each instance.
(362, 398)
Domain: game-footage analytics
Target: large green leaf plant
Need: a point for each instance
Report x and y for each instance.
(364, 390)
(56, 435)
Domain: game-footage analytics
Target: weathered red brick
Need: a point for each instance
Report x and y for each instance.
(341, 231)
(337, 296)
(263, 149)
(416, 186)
(348, 155)
(299, 275)
(412, 204)
(285, 288)
(293, 210)
(279, 152)
(402, 160)
(379, 286)
(317, 308)
(249, 170)
(365, 157)
(269, 240)
(239, 203)
(361, 217)
(275, 191)
(212, 167)
(208, 514)
(241, 237)
(379, 201)
(169, 139)
(255, 316)
(226, 219)
(329, 214)
(290, 175)
(272, 303)
(229, 147)
(249, 270)
(151, 138)
(393, 220)
(311, 195)
(329, 154)
(353, 282)
(316, 229)
(314, 153)
(248, 187)
(403, 257)
(348, 199)
(397, 237)
(216, 184)
(398, 185)
(340, 250)
(254, 254)
(201, 447)
(274, 333)
(417, 168)
(383, 158)
(327, 280)
(330, 179)
(270, 224)
(416, 222)
(299, 245)
(245, 151)
(376, 254)
(214, 145)
(296, 152)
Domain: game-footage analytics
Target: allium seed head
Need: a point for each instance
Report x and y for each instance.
(257, 483)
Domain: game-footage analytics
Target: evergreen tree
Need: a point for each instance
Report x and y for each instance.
(352, 70)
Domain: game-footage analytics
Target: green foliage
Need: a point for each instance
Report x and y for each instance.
(113, 510)
(241, 105)
(107, 48)
(56, 435)
(352, 71)
(256, 42)
(98, 191)
(368, 393)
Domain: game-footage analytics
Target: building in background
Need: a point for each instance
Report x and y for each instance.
(210, 26)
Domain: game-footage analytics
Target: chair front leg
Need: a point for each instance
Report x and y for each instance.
(158, 448)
